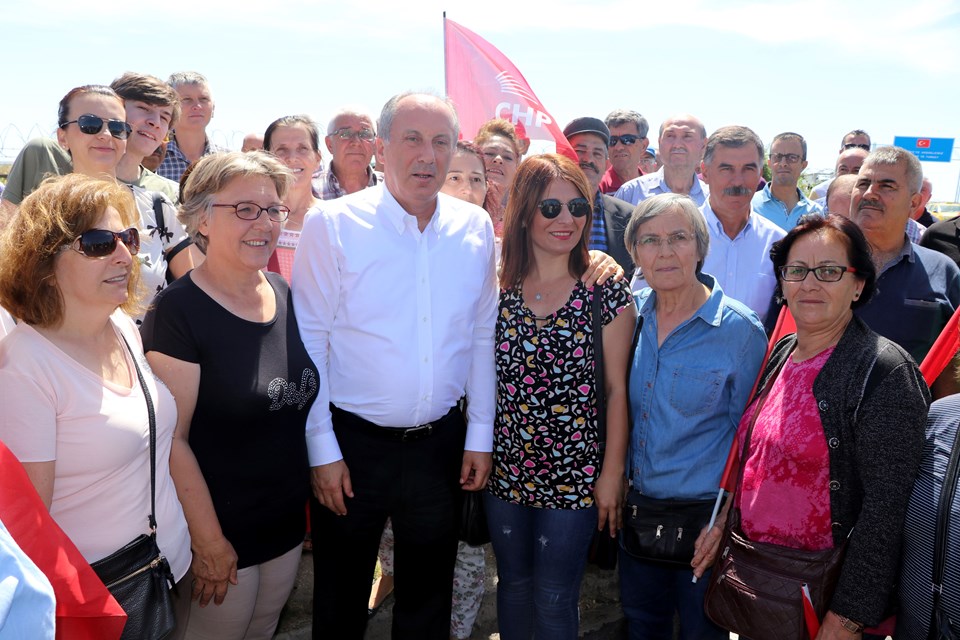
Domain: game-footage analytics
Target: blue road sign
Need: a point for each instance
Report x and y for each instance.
(927, 149)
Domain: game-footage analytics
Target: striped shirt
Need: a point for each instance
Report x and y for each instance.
(919, 535)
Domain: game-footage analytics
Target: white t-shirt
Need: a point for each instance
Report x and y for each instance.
(98, 435)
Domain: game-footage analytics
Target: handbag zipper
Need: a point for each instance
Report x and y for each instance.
(147, 567)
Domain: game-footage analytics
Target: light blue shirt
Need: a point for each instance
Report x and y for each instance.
(742, 266)
(639, 189)
(687, 394)
(26, 597)
(774, 210)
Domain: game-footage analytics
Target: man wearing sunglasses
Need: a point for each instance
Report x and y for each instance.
(350, 141)
(780, 201)
(628, 144)
(590, 138)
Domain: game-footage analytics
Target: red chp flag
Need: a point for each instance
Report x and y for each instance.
(484, 84)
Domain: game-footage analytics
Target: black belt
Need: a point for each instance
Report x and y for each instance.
(397, 434)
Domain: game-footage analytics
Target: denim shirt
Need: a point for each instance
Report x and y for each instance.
(687, 395)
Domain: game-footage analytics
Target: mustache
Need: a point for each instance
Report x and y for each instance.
(589, 165)
(873, 204)
(737, 191)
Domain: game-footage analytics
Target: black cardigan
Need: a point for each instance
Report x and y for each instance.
(874, 444)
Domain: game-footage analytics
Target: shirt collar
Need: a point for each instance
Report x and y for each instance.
(767, 194)
(710, 311)
(714, 224)
(398, 217)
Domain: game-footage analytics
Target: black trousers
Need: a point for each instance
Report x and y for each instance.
(417, 484)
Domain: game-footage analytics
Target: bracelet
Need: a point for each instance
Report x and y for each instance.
(849, 625)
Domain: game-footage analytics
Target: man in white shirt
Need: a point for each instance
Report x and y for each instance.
(396, 297)
(740, 239)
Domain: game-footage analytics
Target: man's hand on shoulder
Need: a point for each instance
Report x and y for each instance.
(475, 469)
(331, 482)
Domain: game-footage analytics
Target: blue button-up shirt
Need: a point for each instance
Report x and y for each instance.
(774, 210)
(652, 184)
(687, 394)
(742, 265)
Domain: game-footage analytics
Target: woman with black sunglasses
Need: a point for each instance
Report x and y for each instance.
(71, 406)
(93, 130)
(548, 493)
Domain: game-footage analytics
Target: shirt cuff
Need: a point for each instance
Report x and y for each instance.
(479, 438)
(323, 448)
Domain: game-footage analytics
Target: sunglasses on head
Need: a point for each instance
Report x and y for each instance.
(551, 207)
(92, 125)
(100, 243)
(627, 139)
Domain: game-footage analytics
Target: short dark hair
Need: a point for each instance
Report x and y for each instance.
(148, 89)
(844, 229)
(789, 135)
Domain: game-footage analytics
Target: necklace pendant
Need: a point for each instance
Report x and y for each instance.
(538, 297)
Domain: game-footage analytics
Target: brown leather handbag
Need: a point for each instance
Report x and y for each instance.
(756, 589)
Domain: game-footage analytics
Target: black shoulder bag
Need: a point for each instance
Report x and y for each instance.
(138, 575)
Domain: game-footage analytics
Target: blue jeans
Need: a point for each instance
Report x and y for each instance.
(651, 594)
(541, 555)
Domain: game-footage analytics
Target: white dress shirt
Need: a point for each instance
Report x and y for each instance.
(742, 265)
(399, 323)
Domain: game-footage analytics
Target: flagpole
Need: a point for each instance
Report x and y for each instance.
(446, 89)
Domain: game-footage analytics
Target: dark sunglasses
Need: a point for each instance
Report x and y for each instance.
(628, 139)
(100, 243)
(851, 145)
(551, 207)
(92, 125)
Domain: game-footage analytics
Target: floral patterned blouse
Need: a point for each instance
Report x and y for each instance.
(545, 450)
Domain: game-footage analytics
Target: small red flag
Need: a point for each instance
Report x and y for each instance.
(484, 84)
(923, 143)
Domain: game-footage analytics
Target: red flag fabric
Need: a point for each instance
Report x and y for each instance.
(85, 609)
(942, 351)
(809, 613)
(484, 84)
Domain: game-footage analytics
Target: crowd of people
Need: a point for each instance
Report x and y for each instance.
(337, 352)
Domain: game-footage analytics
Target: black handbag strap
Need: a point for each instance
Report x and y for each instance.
(151, 415)
(947, 493)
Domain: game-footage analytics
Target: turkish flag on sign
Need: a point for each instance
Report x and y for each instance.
(923, 143)
(484, 84)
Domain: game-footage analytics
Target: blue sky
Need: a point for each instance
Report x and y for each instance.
(819, 67)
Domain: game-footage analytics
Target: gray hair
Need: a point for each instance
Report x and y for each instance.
(620, 117)
(360, 112)
(390, 111)
(668, 203)
(734, 137)
(895, 156)
(181, 78)
(210, 176)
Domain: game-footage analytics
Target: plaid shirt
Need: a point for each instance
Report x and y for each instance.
(175, 163)
(327, 187)
(598, 230)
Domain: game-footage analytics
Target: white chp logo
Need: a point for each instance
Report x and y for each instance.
(518, 112)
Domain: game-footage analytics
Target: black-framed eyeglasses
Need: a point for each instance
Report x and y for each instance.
(344, 133)
(628, 139)
(789, 158)
(252, 211)
(551, 207)
(100, 243)
(92, 125)
(823, 273)
(853, 145)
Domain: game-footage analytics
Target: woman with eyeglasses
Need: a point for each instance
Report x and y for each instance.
(547, 493)
(93, 130)
(835, 431)
(224, 339)
(696, 357)
(295, 140)
(72, 407)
